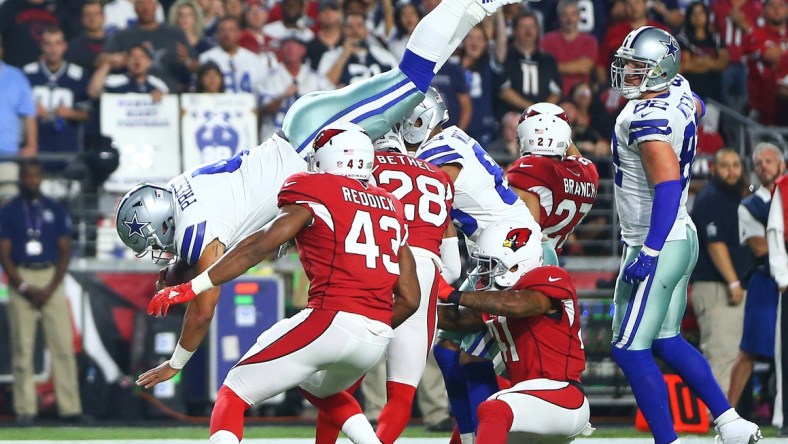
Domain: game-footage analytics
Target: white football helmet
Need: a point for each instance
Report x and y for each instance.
(544, 135)
(504, 252)
(656, 56)
(145, 221)
(431, 112)
(391, 142)
(344, 149)
(545, 108)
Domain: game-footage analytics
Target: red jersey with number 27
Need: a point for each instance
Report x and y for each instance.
(544, 346)
(566, 189)
(426, 193)
(350, 251)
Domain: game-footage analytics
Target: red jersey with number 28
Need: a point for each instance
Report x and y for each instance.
(566, 189)
(426, 193)
(544, 346)
(350, 251)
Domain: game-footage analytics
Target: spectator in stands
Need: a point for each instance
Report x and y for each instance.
(766, 45)
(717, 292)
(212, 11)
(504, 148)
(85, 48)
(243, 70)
(453, 84)
(635, 18)
(760, 309)
(285, 83)
(585, 135)
(17, 119)
(703, 53)
(120, 14)
(60, 91)
(485, 74)
(667, 12)
(782, 90)
(186, 15)
(21, 24)
(35, 248)
(574, 51)
(291, 24)
(329, 34)
(210, 79)
(252, 36)
(136, 79)
(356, 59)
(406, 18)
(161, 39)
(735, 20)
(234, 9)
(777, 240)
(309, 19)
(531, 74)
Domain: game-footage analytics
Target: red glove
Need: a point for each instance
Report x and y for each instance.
(447, 293)
(178, 294)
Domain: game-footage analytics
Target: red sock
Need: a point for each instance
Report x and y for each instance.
(228, 413)
(503, 383)
(396, 413)
(332, 413)
(495, 421)
(455, 436)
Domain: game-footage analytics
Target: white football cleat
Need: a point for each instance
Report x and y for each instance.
(738, 431)
(493, 5)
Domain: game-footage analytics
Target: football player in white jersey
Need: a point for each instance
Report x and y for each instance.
(482, 197)
(198, 215)
(653, 150)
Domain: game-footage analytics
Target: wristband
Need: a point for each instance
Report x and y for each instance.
(23, 287)
(180, 357)
(201, 283)
(734, 284)
(454, 297)
(649, 251)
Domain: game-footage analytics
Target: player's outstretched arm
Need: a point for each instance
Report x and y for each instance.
(530, 200)
(196, 323)
(407, 294)
(511, 303)
(450, 254)
(454, 318)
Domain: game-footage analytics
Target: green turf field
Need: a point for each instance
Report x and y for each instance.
(199, 432)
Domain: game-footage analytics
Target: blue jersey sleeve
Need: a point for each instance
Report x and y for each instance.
(192, 244)
(644, 130)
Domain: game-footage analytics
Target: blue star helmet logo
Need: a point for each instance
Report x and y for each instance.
(672, 48)
(135, 227)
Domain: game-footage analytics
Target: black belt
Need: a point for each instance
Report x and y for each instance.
(577, 385)
(35, 265)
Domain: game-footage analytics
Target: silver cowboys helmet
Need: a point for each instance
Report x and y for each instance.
(431, 112)
(391, 142)
(649, 53)
(505, 252)
(145, 220)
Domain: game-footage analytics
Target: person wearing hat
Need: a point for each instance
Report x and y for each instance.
(285, 83)
(329, 33)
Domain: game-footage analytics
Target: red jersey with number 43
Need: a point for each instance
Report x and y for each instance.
(566, 190)
(426, 193)
(350, 251)
(544, 346)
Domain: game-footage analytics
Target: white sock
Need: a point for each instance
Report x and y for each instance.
(677, 441)
(435, 31)
(467, 438)
(473, 15)
(728, 416)
(224, 437)
(359, 430)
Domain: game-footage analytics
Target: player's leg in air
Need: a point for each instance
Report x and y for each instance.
(381, 101)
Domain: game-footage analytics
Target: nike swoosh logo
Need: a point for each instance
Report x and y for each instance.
(552, 279)
(287, 184)
(173, 294)
(525, 165)
(646, 113)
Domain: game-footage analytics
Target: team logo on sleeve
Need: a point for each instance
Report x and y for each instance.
(517, 238)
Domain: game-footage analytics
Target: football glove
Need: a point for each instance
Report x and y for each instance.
(447, 293)
(639, 268)
(178, 294)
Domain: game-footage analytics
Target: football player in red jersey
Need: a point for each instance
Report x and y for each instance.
(559, 190)
(426, 193)
(532, 312)
(351, 240)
